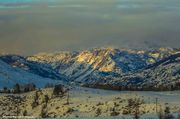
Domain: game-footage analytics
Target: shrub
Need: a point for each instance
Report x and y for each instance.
(58, 90)
(114, 112)
(98, 112)
(69, 110)
(29, 87)
(168, 114)
(133, 107)
(6, 90)
(25, 113)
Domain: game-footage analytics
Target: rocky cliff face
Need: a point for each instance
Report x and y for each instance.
(110, 65)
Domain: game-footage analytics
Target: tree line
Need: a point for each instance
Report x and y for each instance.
(17, 88)
(130, 87)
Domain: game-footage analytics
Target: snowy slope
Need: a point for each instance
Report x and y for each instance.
(9, 76)
(40, 69)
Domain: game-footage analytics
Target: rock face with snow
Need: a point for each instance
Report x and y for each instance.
(165, 72)
(104, 65)
(110, 65)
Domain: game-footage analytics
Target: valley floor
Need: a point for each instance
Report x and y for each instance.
(88, 103)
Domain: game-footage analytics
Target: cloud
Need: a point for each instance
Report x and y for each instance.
(92, 23)
(132, 6)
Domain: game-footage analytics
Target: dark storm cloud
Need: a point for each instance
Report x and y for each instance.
(82, 24)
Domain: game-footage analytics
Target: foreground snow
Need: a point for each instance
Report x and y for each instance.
(84, 103)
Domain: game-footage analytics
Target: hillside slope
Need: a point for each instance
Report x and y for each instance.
(37, 68)
(9, 76)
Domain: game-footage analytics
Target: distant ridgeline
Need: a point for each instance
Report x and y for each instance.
(106, 68)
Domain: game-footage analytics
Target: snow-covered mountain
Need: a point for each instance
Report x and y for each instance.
(165, 72)
(104, 65)
(9, 76)
(37, 68)
(103, 61)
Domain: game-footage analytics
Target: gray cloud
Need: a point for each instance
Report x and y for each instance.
(82, 24)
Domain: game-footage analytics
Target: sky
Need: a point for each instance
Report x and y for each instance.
(31, 26)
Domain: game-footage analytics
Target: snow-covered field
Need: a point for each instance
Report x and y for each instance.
(170, 98)
(84, 103)
(165, 96)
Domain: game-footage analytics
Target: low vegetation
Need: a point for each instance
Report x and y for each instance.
(59, 101)
(153, 87)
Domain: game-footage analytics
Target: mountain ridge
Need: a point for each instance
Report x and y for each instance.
(103, 65)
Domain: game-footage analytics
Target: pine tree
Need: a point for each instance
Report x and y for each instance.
(46, 99)
(35, 100)
(17, 88)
